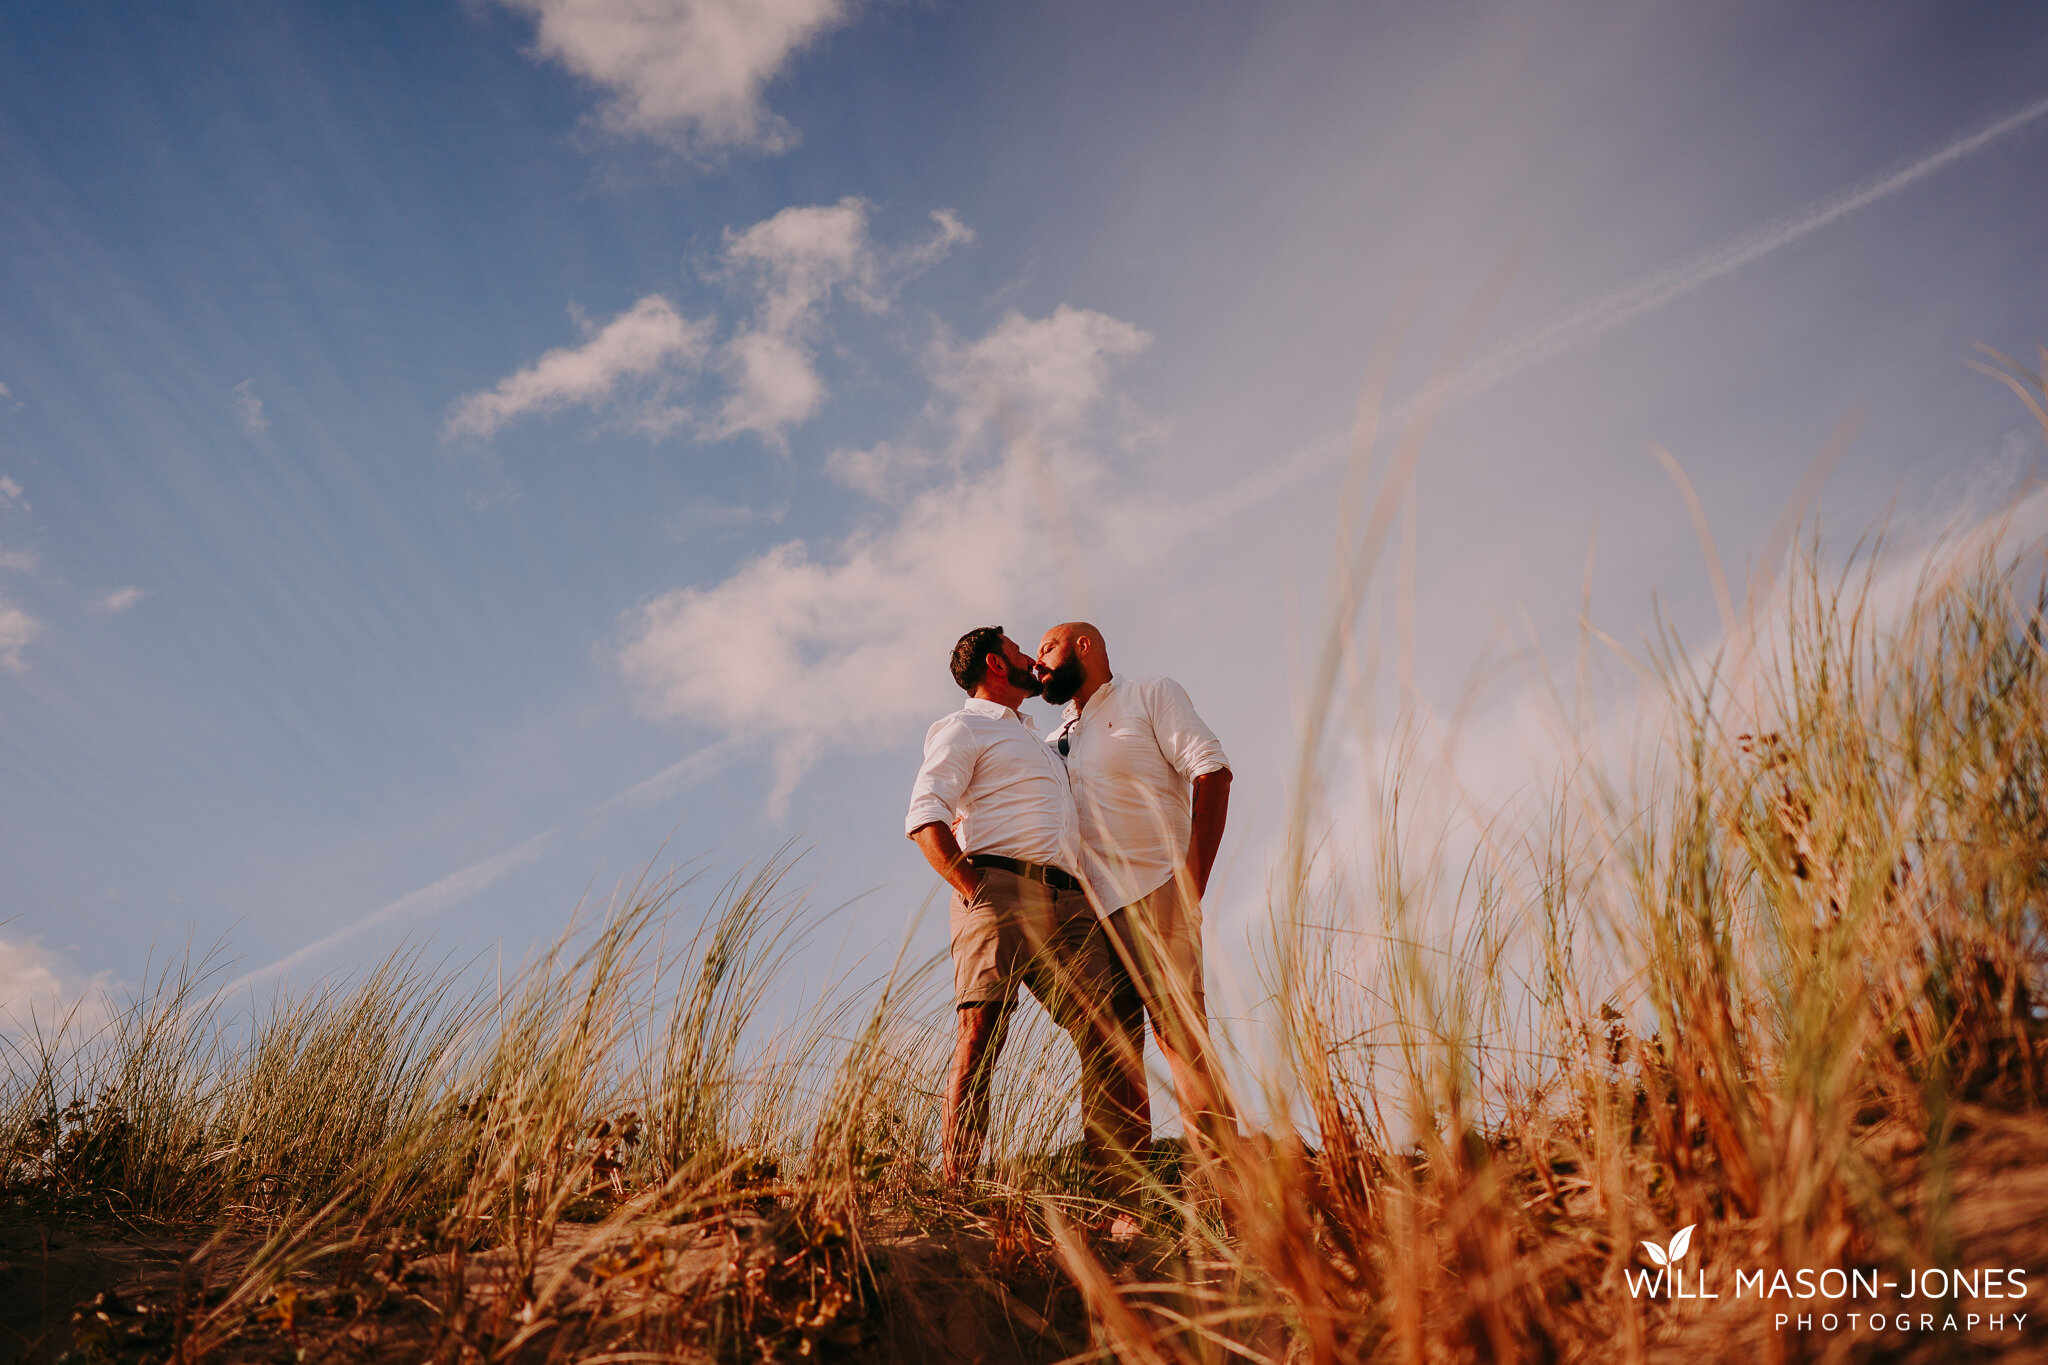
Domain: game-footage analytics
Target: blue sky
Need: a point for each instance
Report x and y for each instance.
(427, 425)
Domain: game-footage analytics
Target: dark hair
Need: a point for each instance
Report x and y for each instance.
(970, 656)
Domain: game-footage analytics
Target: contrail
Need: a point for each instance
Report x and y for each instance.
(1611, 311)
(461, 885)
(1628, 304)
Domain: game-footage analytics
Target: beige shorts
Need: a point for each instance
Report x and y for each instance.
(1158, 942)
(1016, 929)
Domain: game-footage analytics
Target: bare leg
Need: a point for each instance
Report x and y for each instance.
(978, 1040)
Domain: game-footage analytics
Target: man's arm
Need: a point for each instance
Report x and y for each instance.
(1205, 832)
(1188, 743)
(942, 851)
(949, 759)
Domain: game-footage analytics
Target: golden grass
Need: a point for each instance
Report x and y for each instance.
(1780, 983)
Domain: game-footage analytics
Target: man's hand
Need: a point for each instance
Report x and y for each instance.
(942, 851)
(1205, 832)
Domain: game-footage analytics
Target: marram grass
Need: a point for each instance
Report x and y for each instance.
(1780, 983)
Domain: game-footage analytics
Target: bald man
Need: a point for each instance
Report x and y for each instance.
(1152, 790)
(993, 813)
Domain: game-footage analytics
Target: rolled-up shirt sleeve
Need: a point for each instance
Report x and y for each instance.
(943, 778)
(1188, 743)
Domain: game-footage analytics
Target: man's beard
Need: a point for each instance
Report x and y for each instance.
(1023, 679)
(1063, 681)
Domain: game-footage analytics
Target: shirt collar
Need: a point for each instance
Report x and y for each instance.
(982, 706)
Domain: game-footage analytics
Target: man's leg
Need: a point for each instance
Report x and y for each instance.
(1116, 1116)
(1159, 943)
(978, 1040)
(1127, 1019)
(1075, 979)
(1184, 1041)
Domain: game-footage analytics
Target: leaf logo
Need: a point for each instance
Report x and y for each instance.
(1680, 1244)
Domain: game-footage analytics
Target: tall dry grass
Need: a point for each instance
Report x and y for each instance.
(1774, 981)
(1780, 981)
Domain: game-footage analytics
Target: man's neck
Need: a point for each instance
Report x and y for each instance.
(1008, 696)
(1089, 689)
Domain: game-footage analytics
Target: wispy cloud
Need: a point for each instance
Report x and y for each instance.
(120, 599)
(643, 353)
(17, 630)
(793, 263)
(688, 72)
(249, 408)
(460, 885)
(787, 269)
(15, 559)
(8, 400)
(38, 993)
(885, 470)
(848, 646)
(437, 895)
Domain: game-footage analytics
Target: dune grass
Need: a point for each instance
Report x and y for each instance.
(1779, 980)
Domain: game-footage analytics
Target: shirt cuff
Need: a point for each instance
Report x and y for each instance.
(927, 810)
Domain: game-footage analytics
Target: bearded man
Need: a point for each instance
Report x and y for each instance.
(993, 814)
(1152, 790)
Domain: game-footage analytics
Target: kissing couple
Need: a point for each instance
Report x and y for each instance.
(1078, 862)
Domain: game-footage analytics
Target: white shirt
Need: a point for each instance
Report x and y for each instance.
(1003, 790)
(1133, 756)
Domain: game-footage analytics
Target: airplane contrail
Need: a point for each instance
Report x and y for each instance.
(460, 885)
(1628, 304)
(1613, 310)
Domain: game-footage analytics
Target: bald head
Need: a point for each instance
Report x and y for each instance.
(1073, 661)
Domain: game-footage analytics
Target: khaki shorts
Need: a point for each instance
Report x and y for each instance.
(1158, 942)
(1016, 929)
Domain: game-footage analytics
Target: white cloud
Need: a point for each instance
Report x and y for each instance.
(794, 260)
(883, 470)
(1051, 369)
(1048, 372)
(120, 599)
(789, 268)
(849, 647)
(774, 386)
(8, 400)
(249, 409)
(14, 561)
(17, 629)
(801, 255)
(640, 354)
(951, 233)
(690, 72)
(35, 994)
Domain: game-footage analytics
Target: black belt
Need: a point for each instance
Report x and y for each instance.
(1037, 872)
